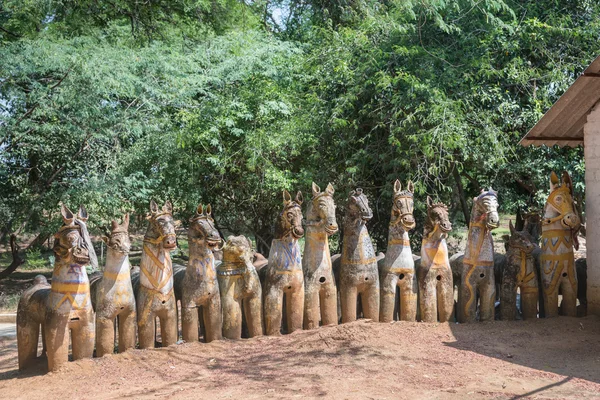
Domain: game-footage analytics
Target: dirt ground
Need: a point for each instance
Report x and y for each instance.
(543, 359)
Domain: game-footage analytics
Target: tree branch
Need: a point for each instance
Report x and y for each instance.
(17, 260)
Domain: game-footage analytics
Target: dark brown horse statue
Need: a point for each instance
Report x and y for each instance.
(65, 306)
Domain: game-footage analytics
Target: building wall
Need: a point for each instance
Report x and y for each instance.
(591, 134)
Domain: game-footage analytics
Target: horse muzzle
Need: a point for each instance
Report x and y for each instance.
(170, 242)
(445, 226)
(492, 220)
(408, 222)
(81, 255)
(297, 232)
(331, 229)
(571, 221)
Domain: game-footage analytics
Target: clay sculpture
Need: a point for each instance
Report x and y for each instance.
(477, 277)
(320, 293)
(359, 275)
(436, 289)
(155, 297)
(63, 307)
(112, 293)
(240, 289)
(397, 269)
(284, 275)
(519, 273)
(560, 226)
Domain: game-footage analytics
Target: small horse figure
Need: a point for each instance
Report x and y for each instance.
(478, 274)
(397, 269)
(197, 285)
(155, 297)
(320, 301)
(65, 305)
(560, 225)
(358, 267)
(239, 286)
(112, 293)
(284, 275)
(519, 272)
(434, 274)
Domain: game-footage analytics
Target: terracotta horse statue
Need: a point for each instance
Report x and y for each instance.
(284, 275)
(155, 297)
(320, 293)
(397, 269)
(197, 286)
(519, 272)
(112, 293)
(65, 305)
(240, 289)
(477, 277)
(359, 275)
(560, 225)
(436, 288)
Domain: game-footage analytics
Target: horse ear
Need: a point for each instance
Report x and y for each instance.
(411, 187)
(511, 227)
(566, 180)
(429, 202)
(114, 225)
(299, 198)
(199, 209)
(208, 210)
(249, 241)
(554, 182)
(66, 214)
(126, 221)
(315, 189)
(168, 207)
(287, 198)
(82, 214)
(397, 186)
(329, 189)
(104, 239)
(153, 207)
(351, 194)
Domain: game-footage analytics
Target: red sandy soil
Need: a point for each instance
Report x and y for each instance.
(544, 359)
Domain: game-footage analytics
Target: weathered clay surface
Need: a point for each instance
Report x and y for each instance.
(477, 278)
(397, 268)
(436, 289)
(320, 292)
(284, 275)
(359, 275)
(519, 273)
(155, 297)
(240, 289)
(63, 307)
(198, 290)
(560, 225)
(112, 294)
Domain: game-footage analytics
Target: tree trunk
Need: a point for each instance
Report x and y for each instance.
(461, 194)
(17, 260)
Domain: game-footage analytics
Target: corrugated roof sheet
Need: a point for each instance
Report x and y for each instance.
(563, 123)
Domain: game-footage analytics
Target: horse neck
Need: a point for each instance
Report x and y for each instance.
(434, 250)
(398, 236)
(550, 213)
(200, 251)
(556, 239)
(66, 270)
(116, 262)
(316, 244)
(285, 251)
(479, 239)
(357, 245)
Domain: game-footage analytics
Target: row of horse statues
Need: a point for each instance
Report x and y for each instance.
(294, 290)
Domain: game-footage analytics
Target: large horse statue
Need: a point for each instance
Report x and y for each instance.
(64, 306)
(436, 289)
(112, 293)
(197, 286)
(320, 293)
(284, 275)
(359, 275)
(519, 272)
(477, 277)
(560, 226)
(155, 297)
(397, 269)
(240, 289)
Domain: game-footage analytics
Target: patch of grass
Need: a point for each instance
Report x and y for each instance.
(9, 302)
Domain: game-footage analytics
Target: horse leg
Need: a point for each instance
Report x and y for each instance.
(312, 309)
(145, 319)
(295, 308)
(273, 308)
(213, 319)
(389, 282)
(57, 340)
(445, 295)
(487, 290)
(409, 288)
(348, 295)
(168, 322)
(467, 300)
(508, 295)
(529, 300)
(427, 301)
(568, 305)
(328, 300)
(253, 311)
(370, 299)
(28, 332)
(550, 293)
(105, 335)
(82, 337)
(127, 329)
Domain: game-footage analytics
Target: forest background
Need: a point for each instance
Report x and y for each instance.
(112, 103)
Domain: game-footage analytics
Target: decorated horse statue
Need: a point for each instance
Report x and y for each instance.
(359, 275)
(240, 289)
(397, 269)
(155, 297)
(436, 289)
(197, 286)
(320, 293)
(64, 306)
(519, 272)
(284, 272)
(560, 225)
(477, 277)
(112, 293)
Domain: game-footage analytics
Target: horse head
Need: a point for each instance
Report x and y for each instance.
(520, 240)
(161, 229)
(437, 223)
(403, 205)
(560, 205)
(485, 208)
(202, 228)
(290, 219)
(321, 210)
(72, 242)
(118, 239)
